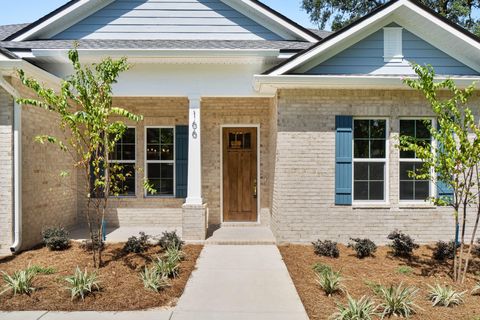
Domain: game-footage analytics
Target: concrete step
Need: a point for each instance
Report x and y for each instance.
(242, 235)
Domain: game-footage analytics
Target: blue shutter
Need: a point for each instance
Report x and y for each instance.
(444, 190)
(343, 160)
(181, 161)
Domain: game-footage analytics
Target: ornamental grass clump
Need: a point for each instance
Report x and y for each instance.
(82, 283)
(445, 296)
(363, 247)
(361, 309)
(326, 248)
(397, 300)
(153, 280)
(476, 289)
(20, 282)
(174, 254)
(330, 281)
(167, 268)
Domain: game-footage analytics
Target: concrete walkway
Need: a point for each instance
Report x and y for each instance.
(240, 282)
(87, 315)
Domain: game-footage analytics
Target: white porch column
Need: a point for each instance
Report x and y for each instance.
(194, 190)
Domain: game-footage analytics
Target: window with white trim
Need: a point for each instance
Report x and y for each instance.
(412, 189)
(369, 159)
(124, 154)
(160, 160)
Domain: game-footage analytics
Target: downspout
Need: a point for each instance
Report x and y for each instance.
(17, 177)
(17, 166)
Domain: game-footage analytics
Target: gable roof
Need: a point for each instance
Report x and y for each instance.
(466, 41)
(76, 10)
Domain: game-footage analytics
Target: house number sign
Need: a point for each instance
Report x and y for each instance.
(194, 126)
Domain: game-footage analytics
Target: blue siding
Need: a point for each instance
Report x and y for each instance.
(168, 19)
(366, 57)
(181, 161)
(343, 160)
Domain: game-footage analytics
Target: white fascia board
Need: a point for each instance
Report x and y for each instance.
(64, 19)
(265, 83)
(268, 19)
(335, 40)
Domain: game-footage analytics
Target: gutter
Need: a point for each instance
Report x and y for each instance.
(17, 170)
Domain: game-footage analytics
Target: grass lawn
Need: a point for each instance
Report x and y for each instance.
(120, 285)
(383, 269)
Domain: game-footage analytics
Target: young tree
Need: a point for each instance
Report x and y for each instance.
(91, 127)
(341, 13)
(453, 160)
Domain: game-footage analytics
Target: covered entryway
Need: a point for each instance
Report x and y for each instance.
(240, 185)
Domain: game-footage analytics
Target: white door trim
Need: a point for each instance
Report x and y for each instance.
(257, 126)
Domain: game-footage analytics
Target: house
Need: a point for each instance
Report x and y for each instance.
(249, 118)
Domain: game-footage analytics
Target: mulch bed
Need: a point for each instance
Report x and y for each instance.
(120, 285)
(382, 269)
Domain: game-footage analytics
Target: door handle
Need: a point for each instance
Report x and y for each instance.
(255, 188)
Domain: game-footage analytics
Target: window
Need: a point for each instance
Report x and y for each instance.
(124, 154)
(160, 156)
(412, 189)
(369, 159)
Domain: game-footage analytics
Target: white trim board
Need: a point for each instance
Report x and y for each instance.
(257, 126)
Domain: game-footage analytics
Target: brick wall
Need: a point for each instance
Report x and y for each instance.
(47, 198)
(6, 171)
(303, 198)
(228, 111)
(140, 210)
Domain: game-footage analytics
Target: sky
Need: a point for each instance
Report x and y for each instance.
(22, 11)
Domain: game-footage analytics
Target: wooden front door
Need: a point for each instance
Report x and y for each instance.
(240, 174)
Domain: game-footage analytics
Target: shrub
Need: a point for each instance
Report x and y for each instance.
(363, 247)
(330, 281)
(167, 268)
(397, 300)
(170, 239)
(406, 270)
(444, 296)
(152, 280)
(326, 248)
(362, 309)
(20, 282)
(137, 244)
(56, 238)
(402, 244)
(82, 283)
(444, 251)
(476, 249)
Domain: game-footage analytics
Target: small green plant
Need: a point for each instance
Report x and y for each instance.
(20, 282)
(152, 280)
(374, 286)
(363, 247)
(137, 244)
(476, 289)
(170, 239)
(444, 251)
(56, 238)
(445, 296)
(167, 268)
(397, 300)
(82, 283)
(361, 309)
(330, 281)
(36, 269)
(326, 248)
(402, 244)
(174, 254)
(320, 267)
(406, 270)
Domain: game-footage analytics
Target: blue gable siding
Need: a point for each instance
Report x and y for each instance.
(169, 20)
(366, 57)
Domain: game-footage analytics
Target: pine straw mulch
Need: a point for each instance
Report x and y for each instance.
(120, 285)
(381, 269)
